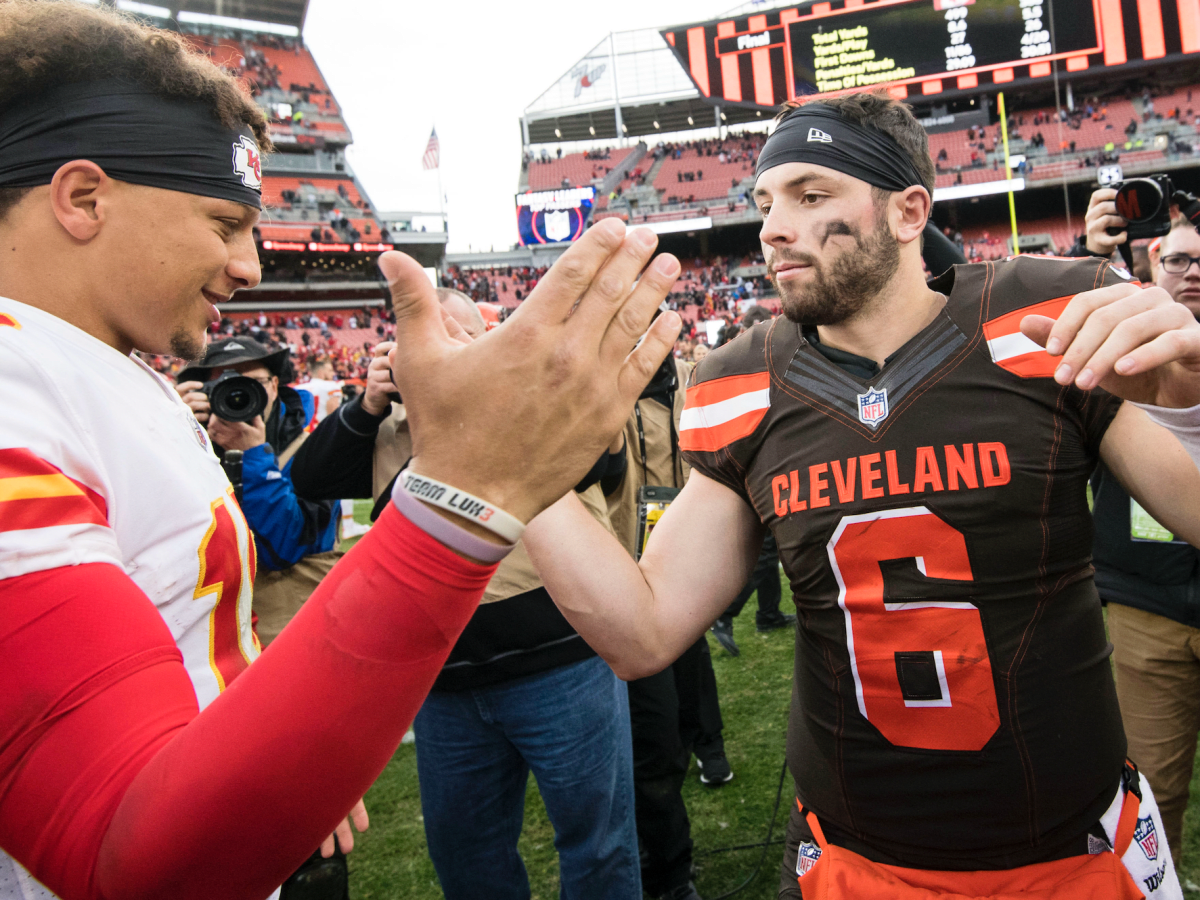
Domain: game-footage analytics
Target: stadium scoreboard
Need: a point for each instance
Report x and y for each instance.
(924, 46)
(553, 217)
(898, 42)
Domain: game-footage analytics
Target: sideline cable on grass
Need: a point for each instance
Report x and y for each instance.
(764, 843)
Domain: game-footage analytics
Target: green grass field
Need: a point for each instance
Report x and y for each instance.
(390, 860)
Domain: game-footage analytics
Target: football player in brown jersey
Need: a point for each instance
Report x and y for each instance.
(920, 452)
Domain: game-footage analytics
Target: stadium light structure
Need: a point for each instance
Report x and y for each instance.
(980, 189)
(699, 223)
(145, 9)
(199, 18)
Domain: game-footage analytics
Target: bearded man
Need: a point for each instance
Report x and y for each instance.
(921, 461)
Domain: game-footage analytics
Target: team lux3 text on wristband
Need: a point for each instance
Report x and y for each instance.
(469, 507)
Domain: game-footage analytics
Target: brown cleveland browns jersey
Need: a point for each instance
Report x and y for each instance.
(953, 704)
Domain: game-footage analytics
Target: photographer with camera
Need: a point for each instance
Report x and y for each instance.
(520, 692)
(1149, 580)
(236, 392)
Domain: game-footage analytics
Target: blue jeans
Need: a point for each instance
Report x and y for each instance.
(475, 750)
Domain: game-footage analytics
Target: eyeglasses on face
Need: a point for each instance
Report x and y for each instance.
(1178, 263)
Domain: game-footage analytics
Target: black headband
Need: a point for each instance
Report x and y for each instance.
(134, 135)
(820, 135)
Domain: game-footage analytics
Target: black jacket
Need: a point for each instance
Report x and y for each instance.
(516, 637)
(1156, 577)
(336, 460)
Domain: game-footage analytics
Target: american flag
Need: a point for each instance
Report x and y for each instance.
(432, 151)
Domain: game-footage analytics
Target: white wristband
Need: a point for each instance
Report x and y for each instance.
(459, 502)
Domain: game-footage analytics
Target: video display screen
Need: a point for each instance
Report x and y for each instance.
(552, 217)
(924, 48)
(924, 38)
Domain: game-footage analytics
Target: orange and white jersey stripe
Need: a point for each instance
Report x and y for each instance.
(723, 410)
(1011, 350)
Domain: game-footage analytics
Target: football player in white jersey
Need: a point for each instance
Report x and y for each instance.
(141, 755)
(322, 384)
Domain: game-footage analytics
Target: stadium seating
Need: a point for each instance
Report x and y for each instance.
(574, 167)
(274, 186)
(298, 67)
(714, 178)
(286, 231)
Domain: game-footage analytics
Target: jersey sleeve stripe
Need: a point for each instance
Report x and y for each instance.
(723, 410)
(47, 512)
(29, 487)
(1014, 352)
(708, 392)
(26, 478)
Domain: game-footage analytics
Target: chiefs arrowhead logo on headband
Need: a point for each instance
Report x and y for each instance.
(247, 164)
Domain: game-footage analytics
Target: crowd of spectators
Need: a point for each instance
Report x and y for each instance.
(345, 338)
(597, 157)
(260, 74)
(504, 285)
(733, 149)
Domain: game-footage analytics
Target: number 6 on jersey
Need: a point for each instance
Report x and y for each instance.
(921, 668)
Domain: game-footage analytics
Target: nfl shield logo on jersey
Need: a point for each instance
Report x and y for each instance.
(558, 225)
(1147, 837)
(807, 855)
(201, 434)
(872, 406)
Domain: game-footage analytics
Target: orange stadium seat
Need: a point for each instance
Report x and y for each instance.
(286, 231)
(274, 186)
(299, 68)
(717, 176)
(575, 167)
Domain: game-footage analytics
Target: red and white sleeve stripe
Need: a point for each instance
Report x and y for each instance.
(36, 494)
(49, 519)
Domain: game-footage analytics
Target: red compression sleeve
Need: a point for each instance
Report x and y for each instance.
(231, 804)
(93, 688)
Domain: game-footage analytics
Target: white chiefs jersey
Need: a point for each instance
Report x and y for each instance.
(322, 391)
(102, 462)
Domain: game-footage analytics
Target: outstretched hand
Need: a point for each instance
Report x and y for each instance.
(1136, 343)
(519, 415)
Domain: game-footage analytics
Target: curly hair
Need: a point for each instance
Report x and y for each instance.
(44, 45)
(893, 118)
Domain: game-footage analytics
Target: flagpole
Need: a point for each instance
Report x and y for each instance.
(441, 193)
(441, 196)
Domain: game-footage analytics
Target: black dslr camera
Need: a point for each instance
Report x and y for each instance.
(234, 397)
(1145, 203)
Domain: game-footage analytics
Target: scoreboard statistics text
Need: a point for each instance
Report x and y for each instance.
(551, 217)
(924, 46)
(899, 42)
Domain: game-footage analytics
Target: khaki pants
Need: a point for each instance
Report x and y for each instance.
(279, 595)
(1158, 686)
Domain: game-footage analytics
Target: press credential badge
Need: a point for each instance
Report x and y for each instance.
(1143, 527)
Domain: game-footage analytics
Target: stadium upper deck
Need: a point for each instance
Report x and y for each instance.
(320, 233)
(1117, 88)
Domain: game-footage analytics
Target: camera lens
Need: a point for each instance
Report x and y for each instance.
(236, 398)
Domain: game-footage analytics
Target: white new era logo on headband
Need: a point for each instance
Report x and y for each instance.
(247, 164)
(816, 134)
